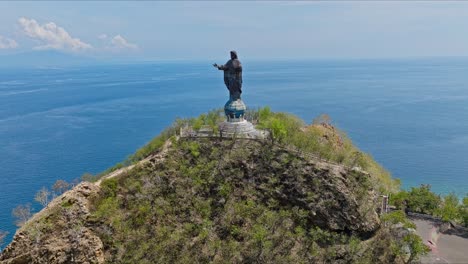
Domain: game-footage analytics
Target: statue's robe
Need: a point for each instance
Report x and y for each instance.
(233, 77)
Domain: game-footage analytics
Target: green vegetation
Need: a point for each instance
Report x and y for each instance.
(324, 140)
(418, 199)
(411, 244)
(449, 209)
(396, 217)
(67, 203)
(416, 247)
(227, 201)
(210, 119)
(92, 178)
(422, 200)
(321, 139)
(464, 211)
(243, 201)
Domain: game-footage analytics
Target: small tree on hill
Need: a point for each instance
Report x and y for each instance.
(43, 196)
(88, 177)
(449, 209)
(416, 247)
(464, 211)
(399, 199)
(22, 213)
(264, 114)
(60, 186)
(422, 200)
(322, 119)
(278, 129)
(3, 235)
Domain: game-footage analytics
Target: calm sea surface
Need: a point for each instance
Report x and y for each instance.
(411, 115)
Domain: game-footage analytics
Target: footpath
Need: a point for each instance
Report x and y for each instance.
(448, 243)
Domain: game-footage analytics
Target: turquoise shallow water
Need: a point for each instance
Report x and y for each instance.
(411, 115)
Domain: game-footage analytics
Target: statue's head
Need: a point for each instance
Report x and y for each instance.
(233, 54)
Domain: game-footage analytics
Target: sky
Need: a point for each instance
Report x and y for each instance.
(197, 30)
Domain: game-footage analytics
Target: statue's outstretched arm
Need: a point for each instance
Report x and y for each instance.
(220, 67)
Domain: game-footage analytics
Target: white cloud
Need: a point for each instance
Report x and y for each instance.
(52, 36)
(118, 42)
(7, 43)
(102, 36)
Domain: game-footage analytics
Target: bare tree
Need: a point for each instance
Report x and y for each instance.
(60, 186)
(88, 177)
(74, 182)
(22, 213)
(322, 119)
(43, 196)
(3, 235)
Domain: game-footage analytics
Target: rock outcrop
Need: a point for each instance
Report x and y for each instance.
(60, 233)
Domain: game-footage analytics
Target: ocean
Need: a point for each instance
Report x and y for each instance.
(411, 115)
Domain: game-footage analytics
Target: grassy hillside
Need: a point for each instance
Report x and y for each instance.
(245, 201)
(305, 195)
(320, 139)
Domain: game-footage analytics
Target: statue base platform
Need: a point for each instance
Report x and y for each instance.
(241, 129)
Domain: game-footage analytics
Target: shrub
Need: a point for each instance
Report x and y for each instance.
(416, 247)
(449, 209)
(324, 140)
(109, 187)
(464, 211)
(264, 114)
(106, 208)
(399, 199)
(194, 148)
(422, 200)
(88, 177)
(396, 217)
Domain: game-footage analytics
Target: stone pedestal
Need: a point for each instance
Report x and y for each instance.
(241, 129)
(235, 124)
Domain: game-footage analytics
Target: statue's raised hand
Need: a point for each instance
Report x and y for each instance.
(215, 65)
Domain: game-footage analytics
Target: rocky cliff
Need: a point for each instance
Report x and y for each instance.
(60, 233)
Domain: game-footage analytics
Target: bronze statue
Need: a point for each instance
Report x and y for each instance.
(232, 76)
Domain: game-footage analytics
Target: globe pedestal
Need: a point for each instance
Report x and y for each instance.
(235, 124)
(234, 110)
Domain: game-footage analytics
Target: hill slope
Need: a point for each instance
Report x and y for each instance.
(216, 200)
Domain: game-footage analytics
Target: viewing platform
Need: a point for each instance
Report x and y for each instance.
(234, 126)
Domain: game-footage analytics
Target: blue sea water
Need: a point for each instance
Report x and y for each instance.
(57, 123)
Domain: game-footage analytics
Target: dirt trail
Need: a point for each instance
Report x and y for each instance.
(159, 156)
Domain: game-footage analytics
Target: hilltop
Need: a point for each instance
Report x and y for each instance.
(305, 195)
